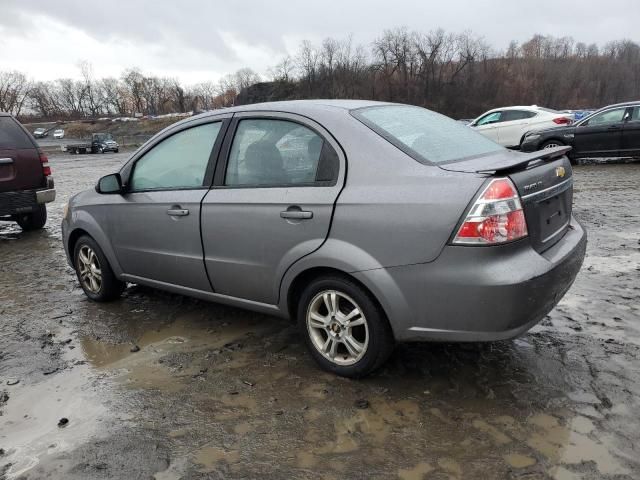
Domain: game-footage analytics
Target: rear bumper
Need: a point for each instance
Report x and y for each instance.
(26, 201)
(478, 293)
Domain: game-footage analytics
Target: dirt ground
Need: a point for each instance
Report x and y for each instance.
(216, 392)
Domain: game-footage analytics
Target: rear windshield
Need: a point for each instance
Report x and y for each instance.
(425, 135)
(12, 136)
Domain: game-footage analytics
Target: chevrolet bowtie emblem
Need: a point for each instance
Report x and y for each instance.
(560, 172)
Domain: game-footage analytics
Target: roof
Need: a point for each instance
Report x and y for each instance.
(303, 107)
(623, 104)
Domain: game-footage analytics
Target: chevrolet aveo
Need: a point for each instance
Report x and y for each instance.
(366, 223)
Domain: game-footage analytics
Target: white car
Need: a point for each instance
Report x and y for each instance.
(58, 133)
(508, 125)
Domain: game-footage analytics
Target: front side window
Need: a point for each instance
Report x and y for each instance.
(494, 117)
(179, 161)
(611, 116)
(425, 135)
(268, 152)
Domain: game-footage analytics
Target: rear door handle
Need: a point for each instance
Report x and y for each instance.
(178, 212)
(296, 214)
(6, 161)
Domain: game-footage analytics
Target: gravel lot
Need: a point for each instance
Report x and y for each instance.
(216, 392)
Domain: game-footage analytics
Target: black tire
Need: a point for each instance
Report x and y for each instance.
(551, 143)
(101, 150)
(380, 336)
(34, 220)
(110, 287)
(115, 151)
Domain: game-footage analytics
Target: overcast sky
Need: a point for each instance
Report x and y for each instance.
(196, 40)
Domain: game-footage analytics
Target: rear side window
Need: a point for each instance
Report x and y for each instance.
(425, 135)
(12, 135)
(509, 115)
(269, 152)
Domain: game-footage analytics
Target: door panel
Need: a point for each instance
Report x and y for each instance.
(489, 126)
(155, 227)
(248, 245)
(514, 123)
(253, 232)
(601, 136)
(511, 132)
(151, 243)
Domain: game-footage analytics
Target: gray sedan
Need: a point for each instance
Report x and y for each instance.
(366, 223)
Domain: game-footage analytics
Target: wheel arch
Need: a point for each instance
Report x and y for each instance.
(305, 277)
(84, 224)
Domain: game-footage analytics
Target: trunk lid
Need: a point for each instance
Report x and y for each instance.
(20, 166)
(544, 180)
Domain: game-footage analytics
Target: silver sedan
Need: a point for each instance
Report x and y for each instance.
(366, 223)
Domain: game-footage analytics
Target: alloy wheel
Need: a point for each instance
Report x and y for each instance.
(89, 270)
(337, 327)
(551, 145)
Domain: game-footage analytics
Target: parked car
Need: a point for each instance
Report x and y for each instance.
(40, 132)
(26, 185)
(508, 125)
(368, 223)
(100, 143)
(612, 131)
(58, 134)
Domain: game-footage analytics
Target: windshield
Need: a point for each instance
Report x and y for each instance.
(426, 136)
(101, 137)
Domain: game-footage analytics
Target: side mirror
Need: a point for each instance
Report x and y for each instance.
(109, 184)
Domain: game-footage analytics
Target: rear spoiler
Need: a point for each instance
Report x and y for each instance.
(507, 161)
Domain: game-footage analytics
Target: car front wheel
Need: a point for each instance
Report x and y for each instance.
(345, 330)
(94, 272)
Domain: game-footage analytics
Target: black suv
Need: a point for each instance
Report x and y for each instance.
(26, 185)
(612, 131)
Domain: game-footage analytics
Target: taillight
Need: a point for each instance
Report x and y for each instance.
(496, 216)
(46, 169)
(562, 120)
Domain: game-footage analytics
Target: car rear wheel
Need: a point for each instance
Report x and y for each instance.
(345, 330)
(551, 144)
(34, 220)
(94, 272)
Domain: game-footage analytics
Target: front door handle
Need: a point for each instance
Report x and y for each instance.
(178, 212)
(296, 214)
(614, 127)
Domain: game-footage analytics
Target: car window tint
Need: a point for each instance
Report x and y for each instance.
(179, 161)
(509, 115)
(610, 116)
(268, 152)
(635, 114)
(12, 136)
(494, 117)
(425, 135)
